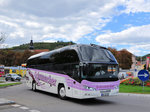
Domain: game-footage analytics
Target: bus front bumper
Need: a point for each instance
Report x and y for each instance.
(95, 94)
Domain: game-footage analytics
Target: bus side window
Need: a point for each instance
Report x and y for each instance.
(75, 72)
(63, 61)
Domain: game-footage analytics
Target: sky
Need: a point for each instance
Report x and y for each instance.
(121, 24)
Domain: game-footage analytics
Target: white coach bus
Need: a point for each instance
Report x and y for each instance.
(76, 71)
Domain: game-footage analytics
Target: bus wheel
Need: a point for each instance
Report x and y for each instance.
(62, 92)
(34, 86)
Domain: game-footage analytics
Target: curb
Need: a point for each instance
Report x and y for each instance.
(4, 101)
(132, 94)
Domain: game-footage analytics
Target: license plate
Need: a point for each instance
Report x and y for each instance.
(106, 90)
(105, 94)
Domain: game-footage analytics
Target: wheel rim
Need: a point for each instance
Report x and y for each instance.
(62, 92)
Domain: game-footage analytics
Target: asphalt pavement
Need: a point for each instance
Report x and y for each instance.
(28, 101)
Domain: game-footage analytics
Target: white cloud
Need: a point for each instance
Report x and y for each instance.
(4, 46)
(3, 2)
(138, 38)
(140, 49)
(54, 19)
(131, 36)
(51, 41)
(137, 6)
(17, 34)
(8, 23)
(32, 24)
(70, 20)
(48, 29)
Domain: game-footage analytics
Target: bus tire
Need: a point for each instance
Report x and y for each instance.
(34, 86)
(62, 92)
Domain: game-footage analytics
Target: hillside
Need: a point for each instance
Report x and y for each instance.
(58, 44)
(143, 57)
(43, 45)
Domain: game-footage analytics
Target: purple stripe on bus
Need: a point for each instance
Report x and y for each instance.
(96, 85)
(101, 85)
(74, 84)
(52, 73)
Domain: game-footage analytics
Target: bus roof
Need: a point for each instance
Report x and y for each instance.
(37, 55)
(69, 47)
(86, 53)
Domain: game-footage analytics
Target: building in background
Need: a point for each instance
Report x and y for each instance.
(31, 47)
(134, 61)
(36, 51)
(1, 70)
(16, 70)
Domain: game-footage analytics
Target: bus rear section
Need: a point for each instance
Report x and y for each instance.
(78, 71)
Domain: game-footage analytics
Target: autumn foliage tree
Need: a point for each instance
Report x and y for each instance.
(123, 57)
(7, 57)
(13, 58)
(26, 55)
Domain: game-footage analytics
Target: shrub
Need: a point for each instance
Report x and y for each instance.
(131, 81)
(134, 81)
(147, 83)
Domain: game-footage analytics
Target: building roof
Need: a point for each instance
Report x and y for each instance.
(40, 50)
(16, 68)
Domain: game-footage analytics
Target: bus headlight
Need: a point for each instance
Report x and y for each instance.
(116, 87)
(89, 88)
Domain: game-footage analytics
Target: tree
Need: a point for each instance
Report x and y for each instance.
(113, 51)
(7, 57)
(14, 58)
(18, 58)
(26, 55)
(2, 37)
(123, 57)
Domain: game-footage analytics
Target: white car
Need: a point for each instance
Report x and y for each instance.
(12, 77)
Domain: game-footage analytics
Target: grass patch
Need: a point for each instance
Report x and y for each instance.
(134, 89)
(10, 84)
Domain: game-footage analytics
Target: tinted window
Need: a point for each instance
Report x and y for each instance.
(99, 72)
(65, 62)
(67, 56)
(95, 54)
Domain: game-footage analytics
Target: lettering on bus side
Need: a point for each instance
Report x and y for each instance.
(46, 79)
(38, 77)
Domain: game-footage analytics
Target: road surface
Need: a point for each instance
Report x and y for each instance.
(29, 101)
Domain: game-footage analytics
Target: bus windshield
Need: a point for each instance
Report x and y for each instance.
(96, 54)
(100, 72)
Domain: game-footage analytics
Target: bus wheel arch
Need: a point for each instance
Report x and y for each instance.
(61, 91)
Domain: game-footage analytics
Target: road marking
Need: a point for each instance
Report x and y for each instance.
(16, 105)
(25, 108)
(34, 111)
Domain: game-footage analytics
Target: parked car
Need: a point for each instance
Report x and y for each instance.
(12, 77)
